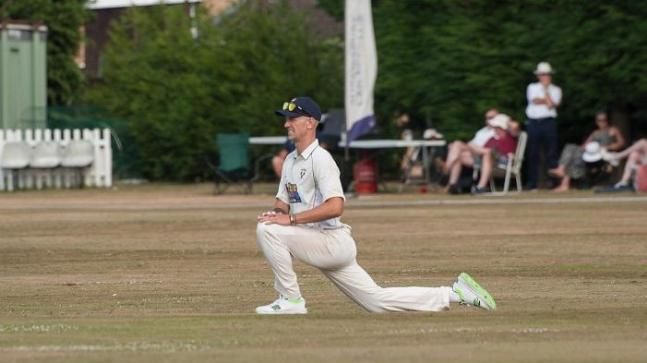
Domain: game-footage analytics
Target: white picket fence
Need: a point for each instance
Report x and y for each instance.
(98, 174)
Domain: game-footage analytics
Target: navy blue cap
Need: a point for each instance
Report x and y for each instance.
(303, 106)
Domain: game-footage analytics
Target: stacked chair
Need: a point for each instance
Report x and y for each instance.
(47, 163)
(15, 159)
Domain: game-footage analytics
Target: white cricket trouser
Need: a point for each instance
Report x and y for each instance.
(334, 253)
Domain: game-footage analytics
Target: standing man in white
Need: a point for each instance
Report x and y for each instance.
(305, 224)
(543, 99)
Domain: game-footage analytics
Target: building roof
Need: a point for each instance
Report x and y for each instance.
(110, 4)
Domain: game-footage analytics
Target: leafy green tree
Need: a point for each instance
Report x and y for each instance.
(63, 19)
(178, 92)
(151, 78)
(448, 61)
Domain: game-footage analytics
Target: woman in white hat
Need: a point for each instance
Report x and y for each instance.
(572, 163)
(543, 99)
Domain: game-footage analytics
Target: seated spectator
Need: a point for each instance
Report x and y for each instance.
(498, 149)
(636, 155)
(462, 154)
(495, 151)
(572, 163)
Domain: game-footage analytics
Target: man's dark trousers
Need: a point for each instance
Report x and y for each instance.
(541, 133)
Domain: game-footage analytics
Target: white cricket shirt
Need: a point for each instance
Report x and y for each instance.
(537, 90)
(309, 179)
(482, 136)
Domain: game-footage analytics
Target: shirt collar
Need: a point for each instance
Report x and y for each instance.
(308, 151)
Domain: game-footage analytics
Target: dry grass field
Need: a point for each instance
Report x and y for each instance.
(163, 273)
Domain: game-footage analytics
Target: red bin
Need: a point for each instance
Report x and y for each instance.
(365, 176)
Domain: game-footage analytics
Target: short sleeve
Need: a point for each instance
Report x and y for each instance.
(327, 176)
(475, 139)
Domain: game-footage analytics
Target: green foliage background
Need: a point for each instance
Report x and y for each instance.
(178, 92)
(450, 60)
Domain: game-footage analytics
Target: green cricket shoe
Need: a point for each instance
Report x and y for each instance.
(471, 293)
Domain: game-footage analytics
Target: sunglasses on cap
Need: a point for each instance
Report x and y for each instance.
(293, 107)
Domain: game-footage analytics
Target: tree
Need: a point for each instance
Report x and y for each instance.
(178, 92)
(450, 60)
(63, 19)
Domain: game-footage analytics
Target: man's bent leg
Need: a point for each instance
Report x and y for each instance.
(632, 162)
(455, 150)
(324, 249)
(356, 283)
(455, 173)
(640, 145)
(486, 168)
(277, 253)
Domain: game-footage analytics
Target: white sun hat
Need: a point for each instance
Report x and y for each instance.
(592, 152)
(500, 120)
(544, 68)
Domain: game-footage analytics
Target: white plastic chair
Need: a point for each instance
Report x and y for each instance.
(78, 155)
(15, 156)
(45, 158)
(513, 167)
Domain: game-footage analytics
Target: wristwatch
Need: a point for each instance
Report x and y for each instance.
(293, 219)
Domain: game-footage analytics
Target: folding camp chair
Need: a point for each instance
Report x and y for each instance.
(513, 167)
(234, 167)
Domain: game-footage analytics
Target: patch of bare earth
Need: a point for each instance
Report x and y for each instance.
(165, 273)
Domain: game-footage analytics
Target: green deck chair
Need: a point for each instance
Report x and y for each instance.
(234, 167)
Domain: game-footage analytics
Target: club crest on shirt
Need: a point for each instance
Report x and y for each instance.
(293, 193)
(302, 172)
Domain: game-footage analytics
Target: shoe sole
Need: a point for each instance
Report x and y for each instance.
(297, 313)
(487, 301)
(282, 312)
